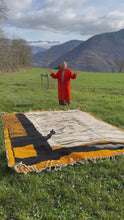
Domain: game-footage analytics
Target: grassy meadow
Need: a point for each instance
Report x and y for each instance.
(89, 191)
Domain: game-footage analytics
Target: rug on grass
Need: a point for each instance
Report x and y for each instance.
(38, 140)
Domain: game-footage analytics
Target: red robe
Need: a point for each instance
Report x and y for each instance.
(64, 92)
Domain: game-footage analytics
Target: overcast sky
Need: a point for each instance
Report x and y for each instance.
(62, 20)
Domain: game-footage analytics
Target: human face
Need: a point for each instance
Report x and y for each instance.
(64, 65)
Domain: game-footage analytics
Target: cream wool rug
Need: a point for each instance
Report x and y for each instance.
(74, 127)
(37, 140)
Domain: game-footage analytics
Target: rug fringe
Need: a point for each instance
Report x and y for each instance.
(22, 168)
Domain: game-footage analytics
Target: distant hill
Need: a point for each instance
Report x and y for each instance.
(36, 49)
(38, 46)
(40, 58)
(100, 53)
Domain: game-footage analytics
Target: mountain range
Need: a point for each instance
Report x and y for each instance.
(40, 58)
(100, 53)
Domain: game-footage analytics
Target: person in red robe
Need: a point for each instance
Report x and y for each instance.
(64, 75)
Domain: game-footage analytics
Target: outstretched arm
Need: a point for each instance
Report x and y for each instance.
(50, 71)
(74, 75)
(76, 72)
(53, 75)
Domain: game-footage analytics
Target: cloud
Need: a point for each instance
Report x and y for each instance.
(15, 6)
(44, 44)
(62, 16)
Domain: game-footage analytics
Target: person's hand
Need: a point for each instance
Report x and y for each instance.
(76, 72)
(50, 71)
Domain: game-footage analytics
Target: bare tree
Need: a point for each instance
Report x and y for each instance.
(15, 54)
(120, 65)
(4, 54)
(3, 45)
(3, 10)
(3, 15)
(21, 54)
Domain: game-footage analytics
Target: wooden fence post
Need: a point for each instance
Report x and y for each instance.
(47, 81)
(47, 76)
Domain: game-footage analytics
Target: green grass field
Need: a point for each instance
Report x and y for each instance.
(91, 191)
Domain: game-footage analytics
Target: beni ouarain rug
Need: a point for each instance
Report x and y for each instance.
(38, 140)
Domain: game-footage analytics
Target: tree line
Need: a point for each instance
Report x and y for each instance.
(16, 54)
